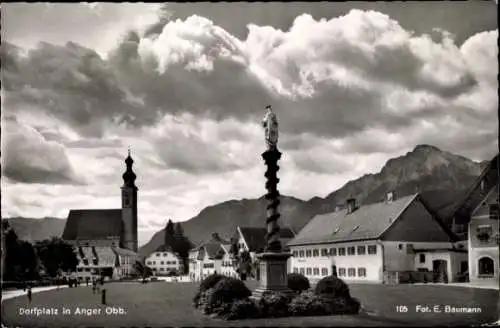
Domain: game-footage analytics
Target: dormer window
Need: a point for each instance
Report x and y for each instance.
(335, 231)
(355, 228)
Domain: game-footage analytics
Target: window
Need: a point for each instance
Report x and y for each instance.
(157, 254)
(301, 253)
(484, 233)
(316, 271)
(324, 252)
(341, 251)
(294, 253)
(324, 272)
(315, 252)
(361, 250)
(148, 262)
(164, 254)
(295, 270)
(308, 253)
(400, 247)
(302, 271)
(486, 267)
(494, 211)
(333, 252)
(351, 250)
(162, 262)
(361, 272)
(341, 272)
(308, 271)
(351, 272)
(422, 258)
(372, 249)
(161, 269)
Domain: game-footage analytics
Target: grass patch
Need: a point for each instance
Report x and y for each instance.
(161, 304)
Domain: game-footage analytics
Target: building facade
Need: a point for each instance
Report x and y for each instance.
(483, 236)
(376, 243)
(105, 240)
(164, 262)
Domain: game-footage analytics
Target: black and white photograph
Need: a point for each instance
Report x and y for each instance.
(250, 164)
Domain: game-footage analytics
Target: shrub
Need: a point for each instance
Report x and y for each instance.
(243, 309)
(308, 304)
(229, 289)
(273, 305)
(206, 284)
(332, 287)
(298, 282)
(210, 281)
(204, 301)
(219, 299)
(340, 305)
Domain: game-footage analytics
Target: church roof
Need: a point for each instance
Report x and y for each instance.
(93, 224)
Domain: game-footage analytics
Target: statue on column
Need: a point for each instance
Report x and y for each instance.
(270, 124)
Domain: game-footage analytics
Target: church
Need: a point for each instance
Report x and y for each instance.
(105, 240)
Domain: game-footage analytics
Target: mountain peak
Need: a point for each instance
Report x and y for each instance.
(426, 147)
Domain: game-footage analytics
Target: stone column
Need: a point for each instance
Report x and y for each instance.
(273, 261)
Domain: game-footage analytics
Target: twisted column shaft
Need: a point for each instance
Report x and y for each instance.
(271, 158)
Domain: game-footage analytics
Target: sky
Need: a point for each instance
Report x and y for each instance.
(185, 86)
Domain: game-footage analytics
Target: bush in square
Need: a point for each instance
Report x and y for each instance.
(243, 309)
(298, 282)
(274, 305)
(332, 287)
(206, 284)
(308, 304)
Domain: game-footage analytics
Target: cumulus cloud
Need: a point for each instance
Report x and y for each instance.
(30, 158)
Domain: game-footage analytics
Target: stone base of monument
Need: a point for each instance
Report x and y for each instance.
(273, 274)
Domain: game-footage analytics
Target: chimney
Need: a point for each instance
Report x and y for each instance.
(351, 205)
(389, 197)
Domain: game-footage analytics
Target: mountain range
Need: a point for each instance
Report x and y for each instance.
(441, 177)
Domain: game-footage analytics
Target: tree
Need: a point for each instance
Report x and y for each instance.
(181, 246)
(20, 257)
(169, 234)
(56, 255)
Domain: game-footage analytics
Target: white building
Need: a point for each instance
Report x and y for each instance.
(480, 209)
(163, 261)
(207, 258)
(227, 262)
(112, 262)
(378, 243)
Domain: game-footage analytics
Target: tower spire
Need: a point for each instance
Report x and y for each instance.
(129, 175)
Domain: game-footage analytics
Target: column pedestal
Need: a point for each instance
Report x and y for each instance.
(273, 273)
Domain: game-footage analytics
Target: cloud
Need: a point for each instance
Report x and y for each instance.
(187, 95)
(30, 158)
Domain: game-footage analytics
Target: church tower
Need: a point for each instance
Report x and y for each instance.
(129, 207)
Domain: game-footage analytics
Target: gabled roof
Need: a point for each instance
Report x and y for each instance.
(474, 195)
(214, 250)
(366, 222)
(163, 248)
(93, 224)
(124, 252)
(255, 238)
(226, 248)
